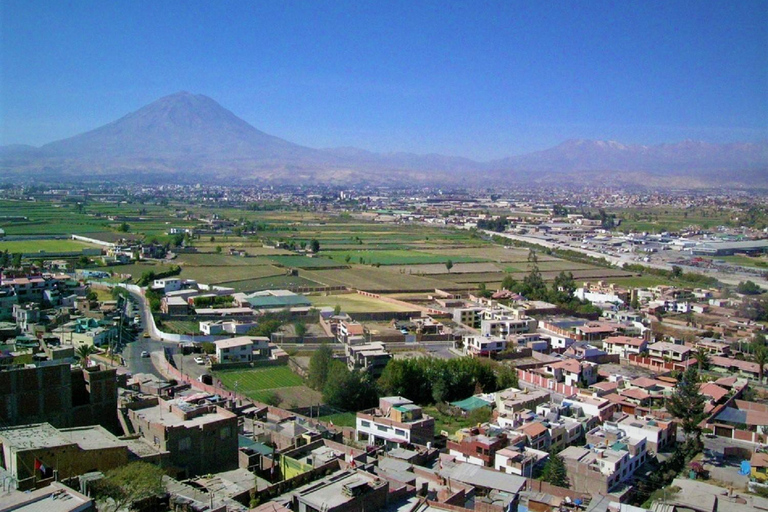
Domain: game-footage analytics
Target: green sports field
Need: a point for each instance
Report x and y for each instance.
(257, 383)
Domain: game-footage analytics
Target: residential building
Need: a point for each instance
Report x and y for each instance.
(504, 324)
(39, 452)
(243, 349)
(396, 420)
(200, 436)
(59, 395)
(477, 448)
(369, 357)
(483, 345)
(343, 491)
(663, 350)
(623, 346)
(660, 435)
(350, 332)
(613, 459)
(511, 401)
(55, 497)
(573, 372)
(519, 461)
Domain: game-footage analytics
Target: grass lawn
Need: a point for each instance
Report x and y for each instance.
(257, 382)
(341, 419)
(35, 246)
(181, 327)
(444, 422)
(355, 303)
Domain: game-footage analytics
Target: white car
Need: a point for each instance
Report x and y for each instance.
(145, 354)
(199, 360)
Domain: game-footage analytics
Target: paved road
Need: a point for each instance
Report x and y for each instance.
(620, 260)
(132, 353)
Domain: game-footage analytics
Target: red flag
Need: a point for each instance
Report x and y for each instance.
(38, 465)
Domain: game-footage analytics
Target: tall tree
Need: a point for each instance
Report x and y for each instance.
(348, 390)
(449, 265)
(319, 366)
(314, 245)
(687, 403)
(761, 358)
(554, 471)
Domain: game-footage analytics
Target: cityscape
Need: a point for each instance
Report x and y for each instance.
(498, 257)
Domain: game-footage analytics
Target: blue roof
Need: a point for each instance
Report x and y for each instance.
(731, 415)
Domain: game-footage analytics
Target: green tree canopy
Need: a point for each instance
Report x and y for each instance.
(124, 486)
(687, 403)
(319, 366)
(554, 471)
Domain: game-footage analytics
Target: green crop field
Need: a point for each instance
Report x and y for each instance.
(34, 246)
(397, 257)
(257, 382)
(221, 260)
(341, 419)
(181, 327)
(374, 279)
(216, 275)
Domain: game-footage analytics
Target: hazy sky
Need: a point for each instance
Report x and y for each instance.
(478, 78)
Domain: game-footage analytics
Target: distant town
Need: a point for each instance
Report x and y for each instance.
(350, 349)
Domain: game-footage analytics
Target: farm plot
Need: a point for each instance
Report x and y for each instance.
(280, 282)
(211, 259)
(438, 268)
(491, 252)
(397, 257)
(377, 280)
(218, 275)
(305, 262)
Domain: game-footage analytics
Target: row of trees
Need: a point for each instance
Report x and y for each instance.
(424, 380)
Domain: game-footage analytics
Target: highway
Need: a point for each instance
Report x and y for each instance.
(620, 260)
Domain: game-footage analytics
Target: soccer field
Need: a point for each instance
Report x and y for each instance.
(253, 382)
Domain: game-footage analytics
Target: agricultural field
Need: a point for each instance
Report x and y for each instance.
(305, 262)
(261, 383)
(271, 283)
(657, 220)
(374, 279)
(217, 275)
(440, 268)
(356, 303)
(396, 257)
(213, 259)
(37, 246)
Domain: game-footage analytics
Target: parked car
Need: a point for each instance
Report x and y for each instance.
(199, 360)
(145, 354)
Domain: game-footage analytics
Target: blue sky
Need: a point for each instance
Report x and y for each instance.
(481, 79)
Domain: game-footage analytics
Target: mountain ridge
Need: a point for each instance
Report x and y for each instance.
(185, 135)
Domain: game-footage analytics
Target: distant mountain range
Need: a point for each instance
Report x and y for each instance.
(190, 138)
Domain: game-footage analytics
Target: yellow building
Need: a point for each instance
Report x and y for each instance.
(759, 463)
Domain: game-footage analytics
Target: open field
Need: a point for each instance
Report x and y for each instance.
(356, 303)
(490, 252)
(744, 261)
(35, 246)
(656, 220)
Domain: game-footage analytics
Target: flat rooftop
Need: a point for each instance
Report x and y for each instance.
(160, 414)
(329, 492)
(30, 437)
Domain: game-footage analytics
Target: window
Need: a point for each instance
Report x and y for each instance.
(400, 432)
(185, 444)
(383, 428)
(365, 423)
(224, 433)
